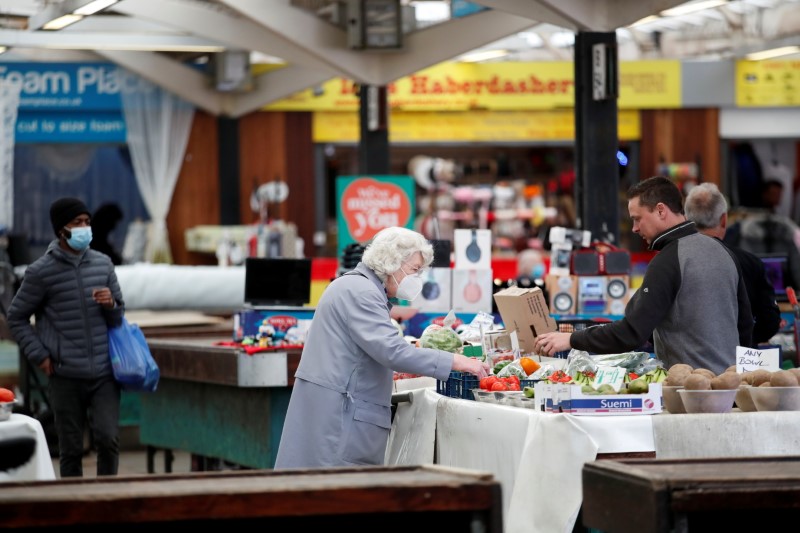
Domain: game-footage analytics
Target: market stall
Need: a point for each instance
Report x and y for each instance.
(538, 457)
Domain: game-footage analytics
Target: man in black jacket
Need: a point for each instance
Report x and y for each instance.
(74, 294)
(706, 206)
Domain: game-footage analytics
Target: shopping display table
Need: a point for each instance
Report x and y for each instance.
(538, 457)
(40, 466)
(386, 499)
(218, 401)
(690, 495)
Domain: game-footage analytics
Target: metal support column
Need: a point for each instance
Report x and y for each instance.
(373, 147)
(228, 132)
(597, 191)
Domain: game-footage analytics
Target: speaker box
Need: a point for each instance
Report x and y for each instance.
(616, 262)
(441, 253)
(585, 263)
(563, 293)
(617, 294)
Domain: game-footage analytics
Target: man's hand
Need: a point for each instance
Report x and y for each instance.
(550, 343)
(104, 297)
(47, 367)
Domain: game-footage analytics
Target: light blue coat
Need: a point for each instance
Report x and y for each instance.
(340, 409)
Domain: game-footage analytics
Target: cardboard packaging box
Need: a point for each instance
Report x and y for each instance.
(525, 311)
(571, 400)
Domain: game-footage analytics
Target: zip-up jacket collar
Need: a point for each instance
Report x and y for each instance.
(672, 234)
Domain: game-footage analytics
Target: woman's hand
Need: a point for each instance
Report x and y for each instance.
(550, 343)
(473, 365)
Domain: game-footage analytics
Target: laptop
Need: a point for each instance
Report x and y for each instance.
(777, 268)
(272, 282)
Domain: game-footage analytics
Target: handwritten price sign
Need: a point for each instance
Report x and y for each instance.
(748, 359)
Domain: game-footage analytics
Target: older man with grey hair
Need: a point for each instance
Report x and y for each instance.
(706, 206)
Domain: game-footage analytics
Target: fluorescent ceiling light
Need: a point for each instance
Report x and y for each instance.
(483, 55)
(646, 20)
(3, 49)
(774, 52)
(93, 7)
(691, 7)
(144, 47)
(62, 22)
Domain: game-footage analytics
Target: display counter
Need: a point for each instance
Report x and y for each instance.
(386, 499)
(218, 401)
(538, 457)
(39, 467)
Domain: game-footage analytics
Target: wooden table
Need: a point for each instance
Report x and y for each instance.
(217, 401)
(385, 499)
(680, 495)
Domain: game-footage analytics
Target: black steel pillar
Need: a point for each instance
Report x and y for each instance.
(597, 191)
(373, 147)
(228, 155)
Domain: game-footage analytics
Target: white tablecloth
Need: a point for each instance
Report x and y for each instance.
(40, 466)
(538, 457)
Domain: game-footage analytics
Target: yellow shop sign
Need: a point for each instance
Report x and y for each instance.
(768, 83)
(477, 126)
(496, 87)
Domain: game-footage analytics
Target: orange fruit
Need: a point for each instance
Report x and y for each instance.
(529, 365)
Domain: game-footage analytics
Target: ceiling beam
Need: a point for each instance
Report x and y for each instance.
(62, 40)
(273, 86)
(234, 31)
(186, 82)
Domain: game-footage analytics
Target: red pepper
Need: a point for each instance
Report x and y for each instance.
(632, 375)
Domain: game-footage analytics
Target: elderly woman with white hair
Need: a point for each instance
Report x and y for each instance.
(340, 410)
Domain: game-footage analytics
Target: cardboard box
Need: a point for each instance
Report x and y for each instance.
(525, 311)
(571, 400)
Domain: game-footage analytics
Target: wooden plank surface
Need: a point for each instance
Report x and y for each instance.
(221, 496)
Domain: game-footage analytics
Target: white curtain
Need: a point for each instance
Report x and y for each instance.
(158, 125)
(9, 103)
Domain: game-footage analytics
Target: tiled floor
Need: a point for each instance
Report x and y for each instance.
(133, 459)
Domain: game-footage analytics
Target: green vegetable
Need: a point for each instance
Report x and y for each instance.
(441, 338)
(499, 366)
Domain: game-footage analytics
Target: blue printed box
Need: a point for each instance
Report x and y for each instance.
(573, 401)
(278, 326)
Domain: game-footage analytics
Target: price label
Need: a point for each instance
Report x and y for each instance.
(612, 375)
(748, 359)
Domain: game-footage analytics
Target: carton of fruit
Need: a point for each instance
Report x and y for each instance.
(571, 399)
(544, 397)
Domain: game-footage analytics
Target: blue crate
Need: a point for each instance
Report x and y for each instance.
(458, 385)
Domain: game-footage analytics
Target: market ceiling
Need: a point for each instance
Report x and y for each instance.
(147, 37)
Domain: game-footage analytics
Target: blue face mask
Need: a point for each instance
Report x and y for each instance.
(80, 239)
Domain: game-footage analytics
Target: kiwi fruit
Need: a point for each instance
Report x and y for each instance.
(697, 382)
(726, 380)
(760, 376)
(783, 378)
(705, 371)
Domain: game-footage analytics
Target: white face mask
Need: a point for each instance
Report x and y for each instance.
(410, 286)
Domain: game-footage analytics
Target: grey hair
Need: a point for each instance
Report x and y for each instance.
(393, 246)
(705, 205)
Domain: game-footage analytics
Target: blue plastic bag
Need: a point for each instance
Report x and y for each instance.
(133, 364)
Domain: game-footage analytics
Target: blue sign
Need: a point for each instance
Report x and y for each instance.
(69, 102)
(75, 127)
(67, 86)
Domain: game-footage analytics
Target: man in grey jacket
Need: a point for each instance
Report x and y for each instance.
(692, 300)
(74, 295)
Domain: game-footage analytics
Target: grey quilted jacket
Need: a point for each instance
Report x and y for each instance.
(70, 327)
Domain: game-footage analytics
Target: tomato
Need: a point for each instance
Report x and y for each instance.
(6, 395)
(513, 386)
(499, 385)
(487, 382)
